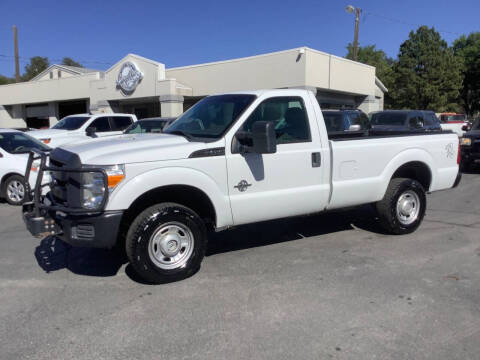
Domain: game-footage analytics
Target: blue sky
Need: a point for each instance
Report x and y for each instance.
(99, 33)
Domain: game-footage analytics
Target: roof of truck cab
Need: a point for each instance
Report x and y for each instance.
(263, 91)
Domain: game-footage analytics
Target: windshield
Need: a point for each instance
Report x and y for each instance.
(18, 143)
(71, 123)
(211, 116)
(146, 126)
(389, 118)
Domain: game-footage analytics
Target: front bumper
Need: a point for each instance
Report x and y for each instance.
(83, 230)
(470, 154)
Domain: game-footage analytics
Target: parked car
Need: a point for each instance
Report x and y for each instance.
(345, 120)
(14, 149)
(395, 121)
(225, 162)
(149, 125)
(470, 145)
(75, 128)
(455, 122)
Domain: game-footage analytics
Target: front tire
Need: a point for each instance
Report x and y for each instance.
(166, 243)
(402, 209)
(14, 190)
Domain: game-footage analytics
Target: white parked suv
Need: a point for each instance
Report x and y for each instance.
(75, 128)
(14, 149)
(232, 159)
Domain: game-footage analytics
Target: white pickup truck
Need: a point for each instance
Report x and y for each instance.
(231, 159)
(80, 127)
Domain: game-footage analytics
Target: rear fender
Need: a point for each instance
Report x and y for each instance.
(404, 157)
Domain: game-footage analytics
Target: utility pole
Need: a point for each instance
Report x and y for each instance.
(355, 38)
(350, 9)
(15, 44)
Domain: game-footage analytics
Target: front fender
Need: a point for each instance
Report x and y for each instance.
(127, 192)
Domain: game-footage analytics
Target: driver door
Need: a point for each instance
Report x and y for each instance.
(290, 182)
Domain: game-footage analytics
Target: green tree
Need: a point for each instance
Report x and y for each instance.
(70, 62)
(384, 66)
(6, 80)
(36, 66)
(427, 73)
(468, 48)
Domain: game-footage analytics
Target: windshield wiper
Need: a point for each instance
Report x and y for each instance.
(181, 133)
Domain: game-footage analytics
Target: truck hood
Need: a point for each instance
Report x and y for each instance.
(133, 148)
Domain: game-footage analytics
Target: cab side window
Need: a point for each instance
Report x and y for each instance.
(288, 115)
(101, 124)
(120, 123)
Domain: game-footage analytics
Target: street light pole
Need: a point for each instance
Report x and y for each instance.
(350, 9)
(355, 38)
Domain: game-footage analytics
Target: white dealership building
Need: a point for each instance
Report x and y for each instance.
(147, 88)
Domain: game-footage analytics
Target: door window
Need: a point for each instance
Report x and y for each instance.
(288, 115)
(416, 122)
(101, 124)
(120, 123)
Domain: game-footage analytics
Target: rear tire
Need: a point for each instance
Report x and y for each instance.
(402, 209)
(14, 190)
(166, 243)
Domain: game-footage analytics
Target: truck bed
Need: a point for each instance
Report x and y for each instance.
(361, 169)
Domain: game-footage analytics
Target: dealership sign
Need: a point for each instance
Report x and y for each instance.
(128, 77)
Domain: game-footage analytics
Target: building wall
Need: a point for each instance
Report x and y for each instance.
(276, 70)
(326, 74)
(75, 87)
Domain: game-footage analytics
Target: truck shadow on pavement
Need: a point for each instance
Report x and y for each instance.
(53, 254)
(290, 229)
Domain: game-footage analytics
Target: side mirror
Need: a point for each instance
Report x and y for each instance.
(355, 127)
(465, 127)
(264, 139)
(91, 131)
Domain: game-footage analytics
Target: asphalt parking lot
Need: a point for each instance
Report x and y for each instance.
(316, 287)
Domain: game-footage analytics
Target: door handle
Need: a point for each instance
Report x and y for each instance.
(316, 159)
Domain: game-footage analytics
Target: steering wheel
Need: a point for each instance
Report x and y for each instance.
(20, 148)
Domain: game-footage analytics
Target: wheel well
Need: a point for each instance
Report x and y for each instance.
(415, 170)
(185, 195)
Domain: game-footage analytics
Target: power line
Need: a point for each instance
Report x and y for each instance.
(399, 21)
(25, 58)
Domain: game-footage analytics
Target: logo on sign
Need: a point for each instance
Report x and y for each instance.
(128, 77)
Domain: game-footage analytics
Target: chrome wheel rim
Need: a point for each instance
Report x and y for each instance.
(171, 245)
(408, 207)
(15, 191)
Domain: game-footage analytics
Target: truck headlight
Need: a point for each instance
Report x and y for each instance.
(465, 141)
(93, 186)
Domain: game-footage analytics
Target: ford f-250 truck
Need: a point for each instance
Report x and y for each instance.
(231, 159)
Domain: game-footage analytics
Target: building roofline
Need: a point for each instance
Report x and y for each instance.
(235, 60)
(63, 68)
(265, 55)
(380, 84)
(135, 56)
